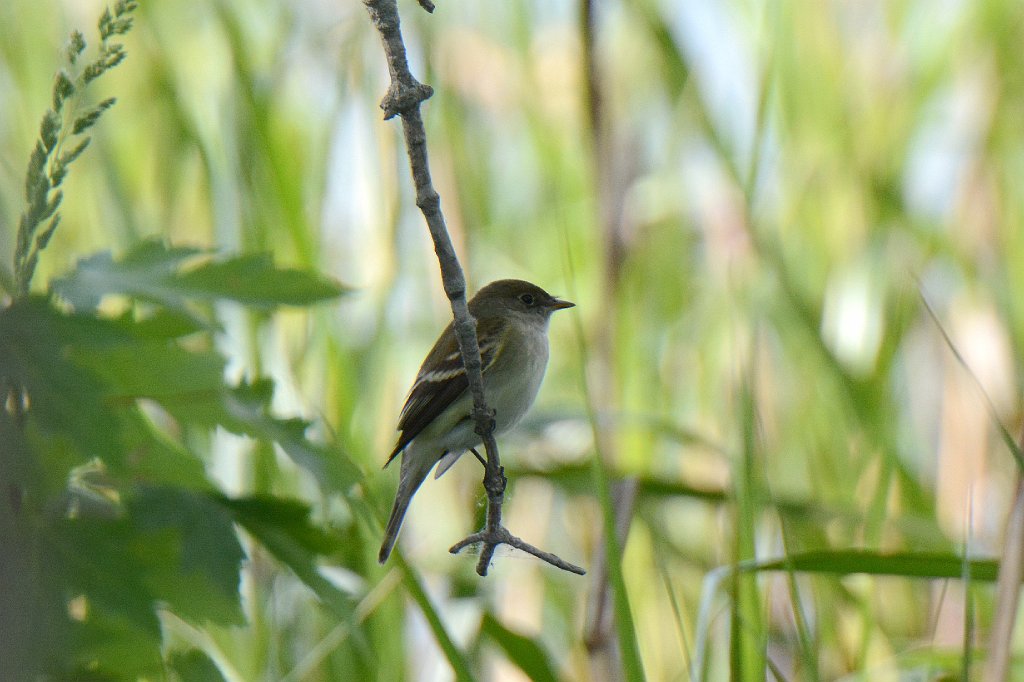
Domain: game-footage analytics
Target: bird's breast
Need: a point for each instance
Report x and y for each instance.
(512, 383)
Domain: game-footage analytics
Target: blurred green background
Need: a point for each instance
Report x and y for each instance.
(748, 201)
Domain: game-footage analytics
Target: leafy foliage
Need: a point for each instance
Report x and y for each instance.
(195, 666)
(172, 277)
(126, 532)
(111, 509)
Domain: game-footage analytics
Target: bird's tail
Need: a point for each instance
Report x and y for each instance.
(412, 475)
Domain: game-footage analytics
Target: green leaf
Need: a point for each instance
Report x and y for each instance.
(76, 369)
(253, 280)
(418, 593)
(143, 273)
(171, 546)
(287, 520)
(157, 273)
(283, 528)
(190, 553)
(904, 564)
(106, 648)
(525, 653)
(195, 666)
(96, 559)
(157, 459)
(163, 323)
(64, 399)
(245, 410)
(153, 368)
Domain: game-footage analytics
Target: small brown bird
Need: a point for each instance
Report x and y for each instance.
(436, 426)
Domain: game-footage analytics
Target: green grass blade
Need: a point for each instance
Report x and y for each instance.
(414, 586)
(632, 666)
(746, 625)
(1007, 439)
(526, 653)
(869, 562)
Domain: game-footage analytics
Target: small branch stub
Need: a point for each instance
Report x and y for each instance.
(402, 97)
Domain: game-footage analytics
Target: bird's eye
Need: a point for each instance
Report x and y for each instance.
(528, 299)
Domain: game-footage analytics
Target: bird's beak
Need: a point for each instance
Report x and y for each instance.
(559, 304)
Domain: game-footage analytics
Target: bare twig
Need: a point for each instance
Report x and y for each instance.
(495, 534)
(403, 98)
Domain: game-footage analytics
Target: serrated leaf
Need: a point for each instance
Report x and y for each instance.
(283, 528)
(143, 272)
(170, 547)
(245, 410)
(254, 280)
(65, 399)
(287, 519)
(77, 369)
(191, 553)
(156, 459)
(156, 273)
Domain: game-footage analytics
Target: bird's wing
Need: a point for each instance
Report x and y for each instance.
(442, 379)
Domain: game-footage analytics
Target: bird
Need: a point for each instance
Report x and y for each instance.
(436, 425)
